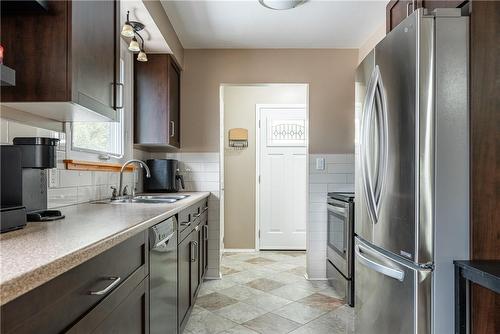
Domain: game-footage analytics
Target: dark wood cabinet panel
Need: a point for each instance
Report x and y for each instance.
(94, 52)
(174, 102)
(398, 10)
(68, 53)
(184, 280)
(203, 244)
(151, 95)
(36, 45)
(125, 310)
(157, 102)
(195, 263)
(191, 251)
(61, 302)
(484, 158)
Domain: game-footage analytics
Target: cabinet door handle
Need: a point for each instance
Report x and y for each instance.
(115, 281)
(186, 224)
(205, 227)
(197, 215)
(172, 128)
(194, 254)
(196, 251)
(118, 95)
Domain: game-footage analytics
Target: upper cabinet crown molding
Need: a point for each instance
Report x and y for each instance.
(66, 60)
(157, 103)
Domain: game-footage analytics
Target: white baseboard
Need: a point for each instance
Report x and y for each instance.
(239, 250)
(315, 279)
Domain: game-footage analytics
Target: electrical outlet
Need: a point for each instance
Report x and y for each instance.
(320, 163)
(53, 178)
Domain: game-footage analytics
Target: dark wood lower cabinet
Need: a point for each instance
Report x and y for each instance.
(195, 263)
(204, 245)
(78, 301)
(192, 260)
(184, 280)
(125, 310)
(61, 303)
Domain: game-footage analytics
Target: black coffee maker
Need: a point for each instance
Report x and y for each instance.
(165, 176)
(34, 156)
(12, 210)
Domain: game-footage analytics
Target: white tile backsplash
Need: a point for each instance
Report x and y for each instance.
(68, 187)
(338, 176)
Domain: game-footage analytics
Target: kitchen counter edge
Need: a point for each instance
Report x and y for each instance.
(16, 286)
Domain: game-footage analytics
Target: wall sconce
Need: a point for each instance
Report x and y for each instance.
(131, 29)
(238, 138)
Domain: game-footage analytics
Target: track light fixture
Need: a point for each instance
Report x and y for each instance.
(131, 29)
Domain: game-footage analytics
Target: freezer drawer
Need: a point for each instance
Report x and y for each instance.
(391, 296)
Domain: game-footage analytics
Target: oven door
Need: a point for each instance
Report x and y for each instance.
(339, 240)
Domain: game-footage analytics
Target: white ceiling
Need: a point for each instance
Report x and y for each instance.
(247, 24)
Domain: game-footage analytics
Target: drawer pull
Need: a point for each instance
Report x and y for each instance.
(186, 224)
(197, 215)
(104, 291)
(205, 208)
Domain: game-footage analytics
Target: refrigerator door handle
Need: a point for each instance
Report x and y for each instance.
(375, 101)
(366, 176)
(380, 268)
(381, 107)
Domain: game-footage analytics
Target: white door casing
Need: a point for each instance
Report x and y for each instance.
(282, 170)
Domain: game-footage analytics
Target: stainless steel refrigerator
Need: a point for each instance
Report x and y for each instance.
(412, 175)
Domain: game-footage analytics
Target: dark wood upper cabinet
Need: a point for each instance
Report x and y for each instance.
(398, 10)
(157, 102)
(66, 60)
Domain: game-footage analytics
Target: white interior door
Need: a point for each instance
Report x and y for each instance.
(283, 177)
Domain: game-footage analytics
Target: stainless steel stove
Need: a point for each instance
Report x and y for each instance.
(340, 241)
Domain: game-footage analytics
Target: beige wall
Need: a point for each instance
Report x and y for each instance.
(240, 165)
(329, 73)
(371, 42)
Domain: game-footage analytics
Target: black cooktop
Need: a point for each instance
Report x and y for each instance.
(342, 196)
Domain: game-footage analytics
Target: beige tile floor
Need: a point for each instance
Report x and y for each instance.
(267, 293)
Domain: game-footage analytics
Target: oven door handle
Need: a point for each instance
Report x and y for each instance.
(336, 209)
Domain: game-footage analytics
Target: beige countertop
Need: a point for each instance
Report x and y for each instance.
(42, 251)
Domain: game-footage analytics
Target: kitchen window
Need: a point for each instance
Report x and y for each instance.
(100, 137)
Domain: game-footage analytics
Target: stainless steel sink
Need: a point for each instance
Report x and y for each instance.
(147, 199)
(167, 197)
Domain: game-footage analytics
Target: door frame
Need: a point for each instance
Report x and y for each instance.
(258, 130)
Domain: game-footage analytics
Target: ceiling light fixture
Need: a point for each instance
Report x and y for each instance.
(134, 45)
(131, 29)
(142, 56)
(281, 4)
(127, 30)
